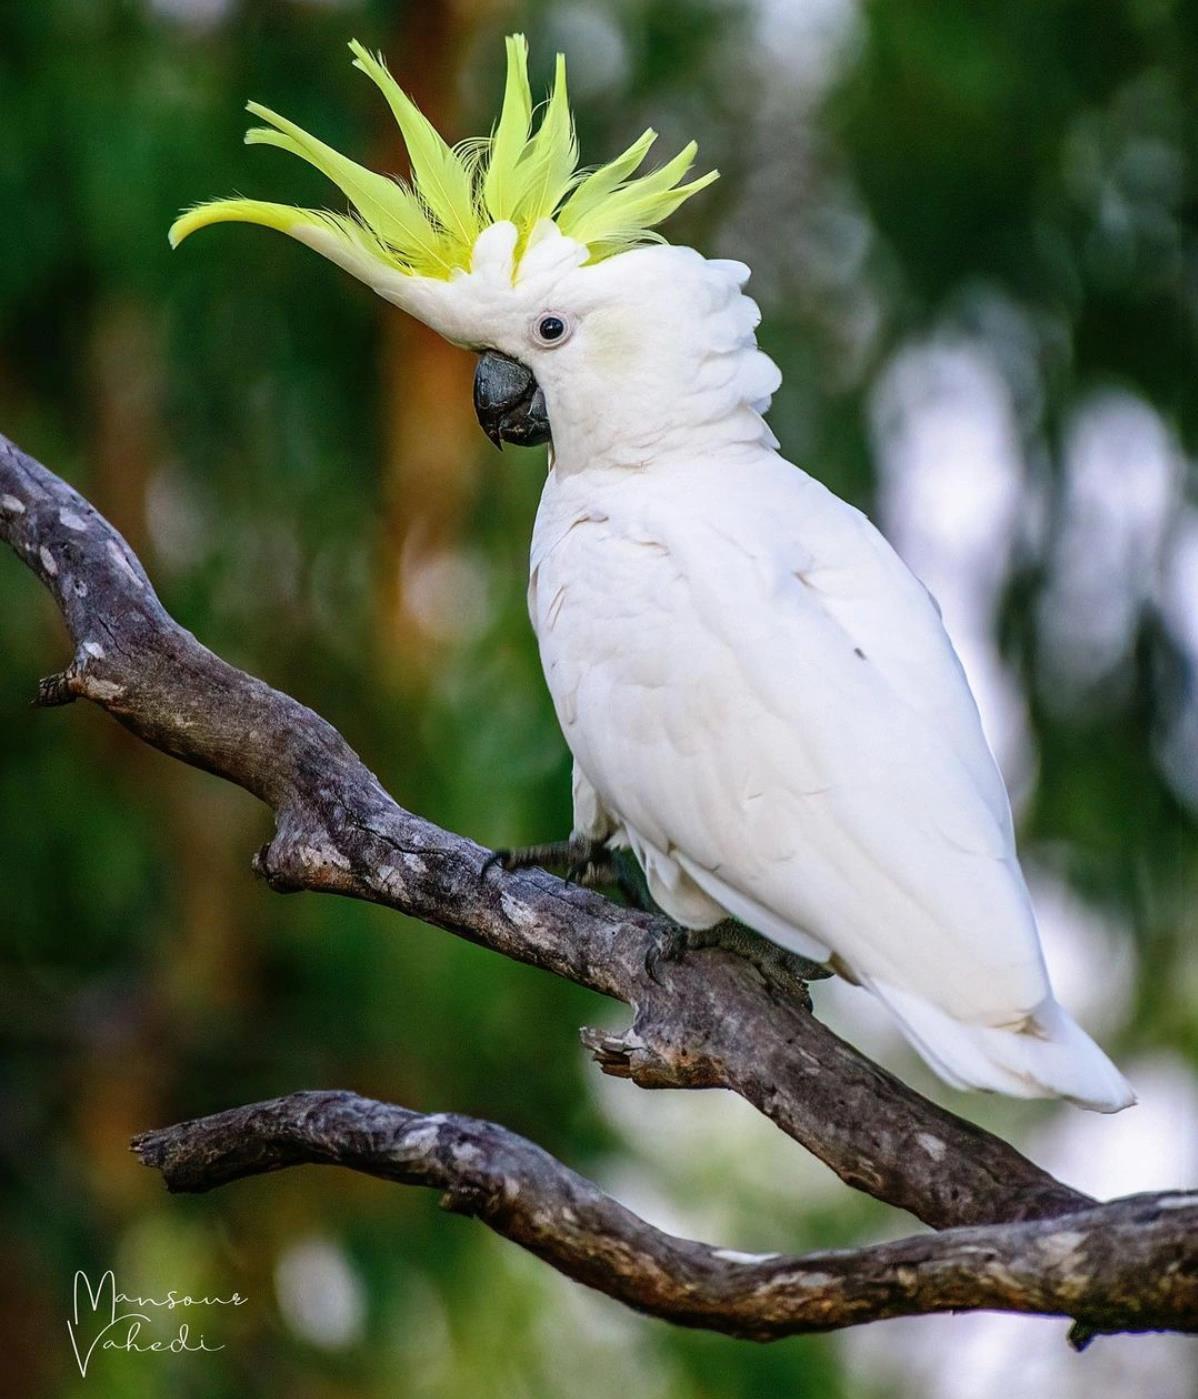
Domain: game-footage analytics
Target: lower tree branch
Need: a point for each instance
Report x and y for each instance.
(706, 1020)
(1100, 1265)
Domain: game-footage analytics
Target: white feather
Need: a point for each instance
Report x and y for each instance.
(763, 703)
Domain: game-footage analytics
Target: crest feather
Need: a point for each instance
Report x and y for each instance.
(344, 239)
(625, 214)
(442, 176)
(549, 158)
(510, 137)
(596, 187)
(429, 227)
(390, 210)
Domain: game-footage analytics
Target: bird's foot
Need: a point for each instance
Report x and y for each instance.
(585, 861)
(782, 969)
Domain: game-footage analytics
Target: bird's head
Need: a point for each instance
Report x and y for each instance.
(553, 275)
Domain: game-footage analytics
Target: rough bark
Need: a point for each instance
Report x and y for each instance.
(1101, 1265)
(706, 1020)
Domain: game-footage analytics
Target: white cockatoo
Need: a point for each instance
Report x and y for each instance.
(761, 700)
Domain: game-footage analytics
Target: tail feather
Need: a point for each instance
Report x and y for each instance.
(1048, 1056)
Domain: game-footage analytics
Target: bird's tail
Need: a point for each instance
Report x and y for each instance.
(1048, 1056)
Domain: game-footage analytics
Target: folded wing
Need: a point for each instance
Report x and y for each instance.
(765, 698)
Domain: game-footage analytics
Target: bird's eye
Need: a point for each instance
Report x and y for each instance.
(551, 329)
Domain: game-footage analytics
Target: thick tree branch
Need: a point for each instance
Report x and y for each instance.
(707, 1020)
(1104, 1265)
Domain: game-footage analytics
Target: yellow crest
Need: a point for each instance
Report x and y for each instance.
(428, 226)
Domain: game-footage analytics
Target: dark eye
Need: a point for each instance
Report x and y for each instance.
(551, 329)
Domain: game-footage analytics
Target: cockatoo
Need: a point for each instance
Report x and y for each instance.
(761, 700)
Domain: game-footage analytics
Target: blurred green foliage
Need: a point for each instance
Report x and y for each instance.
(249, 418)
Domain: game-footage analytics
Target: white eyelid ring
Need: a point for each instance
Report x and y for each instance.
(549, 329)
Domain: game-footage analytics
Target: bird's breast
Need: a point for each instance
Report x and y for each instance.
(596, 602)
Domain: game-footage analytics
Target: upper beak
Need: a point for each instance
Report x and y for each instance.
(508, 402)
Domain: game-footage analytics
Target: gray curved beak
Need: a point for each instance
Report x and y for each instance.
(509, 403)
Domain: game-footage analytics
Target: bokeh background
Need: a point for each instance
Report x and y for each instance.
(974, 231)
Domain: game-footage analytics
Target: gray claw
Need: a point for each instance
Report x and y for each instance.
(669, 945)
(784, 970)
(497, 857)
(585, 862)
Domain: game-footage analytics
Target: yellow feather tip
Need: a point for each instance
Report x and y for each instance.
(428, 226)
(284, 217)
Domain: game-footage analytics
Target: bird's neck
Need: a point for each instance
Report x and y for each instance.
(609, 444)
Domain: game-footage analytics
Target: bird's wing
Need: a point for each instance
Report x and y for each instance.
(762, 692)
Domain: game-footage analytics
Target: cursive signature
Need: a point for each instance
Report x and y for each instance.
(97, 1320)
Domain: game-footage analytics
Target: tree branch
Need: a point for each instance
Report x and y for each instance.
(1100, 1265)
(707, 1020)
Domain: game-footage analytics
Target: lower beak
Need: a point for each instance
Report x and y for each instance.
(509, 403)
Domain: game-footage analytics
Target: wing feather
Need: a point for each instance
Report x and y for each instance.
(760, 692)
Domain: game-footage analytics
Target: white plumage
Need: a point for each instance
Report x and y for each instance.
(760, 698)
(763, 704)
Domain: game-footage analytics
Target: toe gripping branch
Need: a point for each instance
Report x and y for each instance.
(584, 861)
(593, 863)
